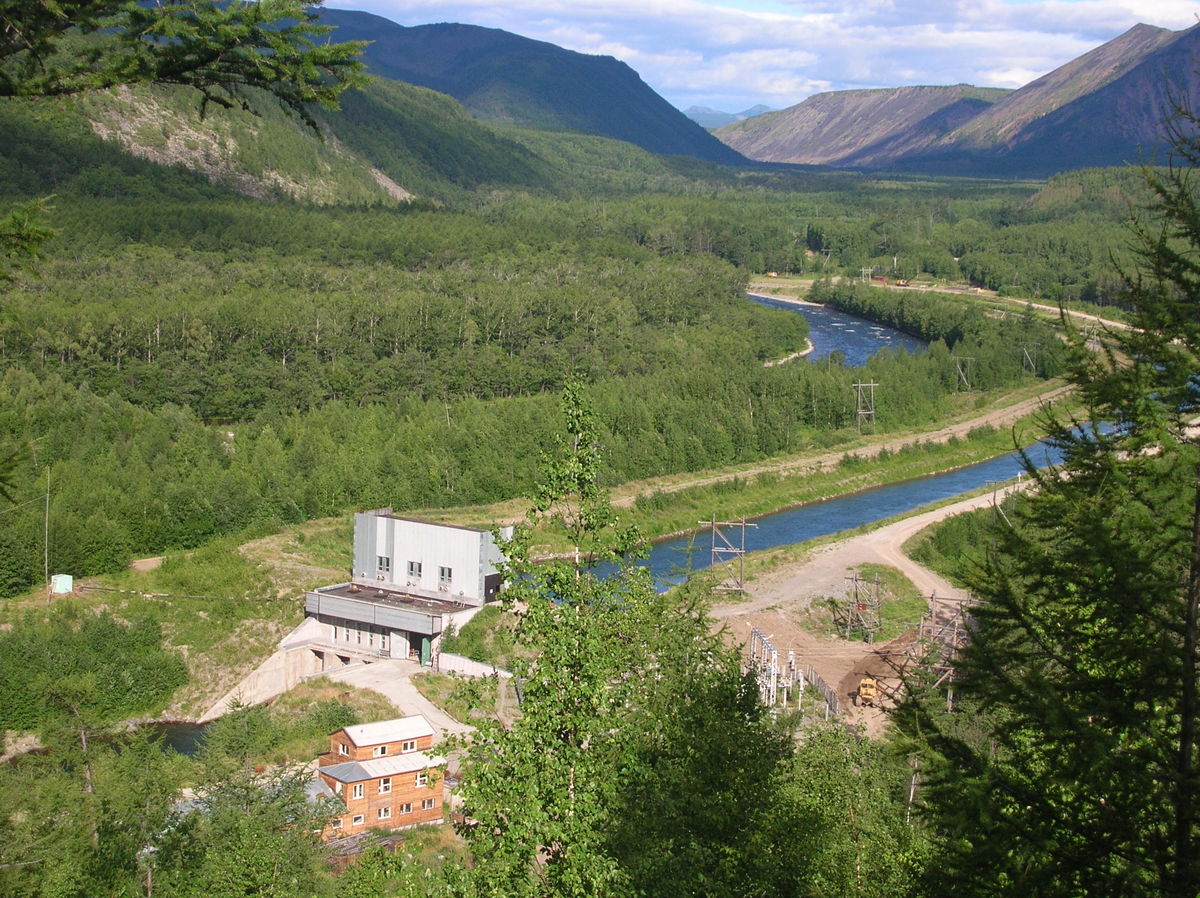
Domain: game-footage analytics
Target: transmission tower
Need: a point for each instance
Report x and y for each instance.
(1029, 353)
(730, 556)
(864, 405)
(862, 608)
(964, 367)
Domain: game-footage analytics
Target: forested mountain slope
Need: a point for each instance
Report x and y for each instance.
(505, 77)
(837, 127)
(1106, 107)
(389, 142)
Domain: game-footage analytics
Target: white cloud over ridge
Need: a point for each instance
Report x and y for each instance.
(733, 54)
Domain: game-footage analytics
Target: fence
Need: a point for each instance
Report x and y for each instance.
(467, 667)
(832, 703)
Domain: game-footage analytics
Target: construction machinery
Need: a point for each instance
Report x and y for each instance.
(867, 692)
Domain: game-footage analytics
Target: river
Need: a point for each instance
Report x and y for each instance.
(857, 339)
(832, 331)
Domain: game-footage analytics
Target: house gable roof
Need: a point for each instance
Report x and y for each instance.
(359, 771)
(398, 730)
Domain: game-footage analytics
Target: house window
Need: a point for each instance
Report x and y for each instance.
(445, 575)
(385, 785)
(383, 640)
(409, 745)
(357, 820)
(423, 778)
(356, 791)
(414, 570)
(343, 748)
(385, 813)
(347, 628)
(379, 751)
(383, 564)
(335, 823)
(427, 804)
(405, 808)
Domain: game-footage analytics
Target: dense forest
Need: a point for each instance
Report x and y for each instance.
(188, 364)
(180, 363)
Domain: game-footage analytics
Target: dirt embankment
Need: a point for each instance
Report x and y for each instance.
(781, 605)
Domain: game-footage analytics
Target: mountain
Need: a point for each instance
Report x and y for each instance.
(504, 77)
(709, 118)
(1107, 107)
(1003, 123)
(831, 128)
(390, 142)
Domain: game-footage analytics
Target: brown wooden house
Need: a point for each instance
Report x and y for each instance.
(384, 774)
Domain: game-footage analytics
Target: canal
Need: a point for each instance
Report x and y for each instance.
(856, 340)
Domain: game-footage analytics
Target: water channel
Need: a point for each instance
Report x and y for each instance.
(856, 339)
(830, 331)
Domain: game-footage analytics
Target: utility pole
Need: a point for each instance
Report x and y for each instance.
(46, 535)
(726, 554)
(1029, 356)
(864, 406)
(964, 367)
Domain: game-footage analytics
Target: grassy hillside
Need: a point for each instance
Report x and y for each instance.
(390, 142)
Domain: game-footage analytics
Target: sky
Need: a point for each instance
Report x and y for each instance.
(734, 54)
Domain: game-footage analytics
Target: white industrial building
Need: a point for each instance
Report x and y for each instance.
(410, 578)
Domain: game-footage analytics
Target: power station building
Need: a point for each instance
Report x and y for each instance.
(410, 579)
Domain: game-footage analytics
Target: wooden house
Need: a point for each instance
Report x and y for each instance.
(385, 774)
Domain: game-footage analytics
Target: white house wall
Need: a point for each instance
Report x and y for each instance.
(470, 555)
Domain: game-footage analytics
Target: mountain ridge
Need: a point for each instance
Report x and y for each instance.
(828, 127)
(1105, 107)
(500, 76)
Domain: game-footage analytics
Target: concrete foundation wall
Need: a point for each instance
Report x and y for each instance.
(468, 667)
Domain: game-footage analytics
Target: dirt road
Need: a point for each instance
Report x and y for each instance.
(625, 496)
(779, 602)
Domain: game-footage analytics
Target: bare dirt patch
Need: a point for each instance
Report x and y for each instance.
(784, 604)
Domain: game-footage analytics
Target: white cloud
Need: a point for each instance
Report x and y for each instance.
(732, 54)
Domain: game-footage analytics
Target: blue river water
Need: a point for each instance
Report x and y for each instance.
(671, 560)
(857, 339)
(833, 331)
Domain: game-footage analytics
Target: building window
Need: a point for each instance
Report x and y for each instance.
(385, 813)
(414, 570)
(409, 745)
(427, 804)
(370, 637)
(423, 778)
(356, 791)
(383, 640)
(335, 823)
(405, 808)
(385, 785)
(347, 628)
(445, 575)
(379, 751)
(383, 564)
(357, 820)
(343, 748)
